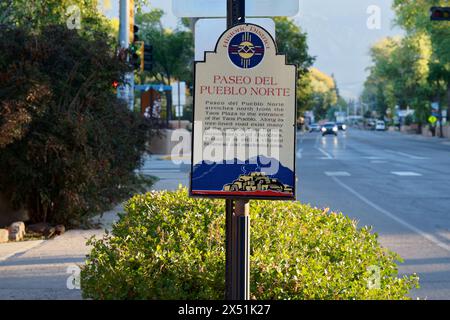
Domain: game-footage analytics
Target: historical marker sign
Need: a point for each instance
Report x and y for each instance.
(244, 119)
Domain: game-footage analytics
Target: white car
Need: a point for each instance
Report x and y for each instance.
(380, 125)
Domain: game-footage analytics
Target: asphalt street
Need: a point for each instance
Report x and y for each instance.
(396, 183)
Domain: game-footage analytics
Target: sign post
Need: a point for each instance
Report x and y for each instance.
(244, 133)
(234, 261)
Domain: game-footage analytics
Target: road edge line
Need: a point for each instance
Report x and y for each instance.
(423, 234)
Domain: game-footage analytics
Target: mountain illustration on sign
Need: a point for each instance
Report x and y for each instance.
(257, 181)
(210, 177)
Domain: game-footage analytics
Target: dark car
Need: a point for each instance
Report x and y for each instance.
(330, 128)
(342, 126)
(314, 127)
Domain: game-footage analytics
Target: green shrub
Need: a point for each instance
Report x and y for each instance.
(170, 246)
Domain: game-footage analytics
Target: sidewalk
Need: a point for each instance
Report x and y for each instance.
(420, 137)
(40, 269)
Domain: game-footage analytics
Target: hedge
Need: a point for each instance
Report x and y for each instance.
(169, 246)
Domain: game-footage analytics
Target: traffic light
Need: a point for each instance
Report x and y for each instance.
(147, 61)
(440, 13)
(134, 34)
(137, 54)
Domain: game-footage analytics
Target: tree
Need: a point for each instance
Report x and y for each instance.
(173, 50)
(400, 75)
(293, 42)
(37, 14)
(72, 146)
(322, 93)
(413, 15)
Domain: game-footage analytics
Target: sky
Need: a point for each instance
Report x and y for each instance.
(338, 35)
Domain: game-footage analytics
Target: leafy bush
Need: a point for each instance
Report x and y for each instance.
(170, 246)
(68, 146)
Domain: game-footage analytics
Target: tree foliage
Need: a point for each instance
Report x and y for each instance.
(400, 74)
(292, 42)
(173, 50)
(415, 70)
(37, 14)
(68, 146)
(318, 92)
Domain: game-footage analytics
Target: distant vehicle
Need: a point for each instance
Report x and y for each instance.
(371, 124)
(330, 128)
(342, 126)
(380, 125)
(314, 127)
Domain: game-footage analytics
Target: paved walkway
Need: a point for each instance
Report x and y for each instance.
(41, 269)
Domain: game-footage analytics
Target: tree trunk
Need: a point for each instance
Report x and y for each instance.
(448, 101)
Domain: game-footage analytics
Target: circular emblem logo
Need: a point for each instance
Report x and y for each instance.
(246, 50)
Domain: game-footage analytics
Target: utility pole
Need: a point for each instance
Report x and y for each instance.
(126, 91)
(124, 35)
(237, 278)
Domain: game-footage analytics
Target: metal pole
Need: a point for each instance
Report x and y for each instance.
(241, 251)
(179, 106)
(126, 92)
(229, 210)
(237, 224)
(124, 33)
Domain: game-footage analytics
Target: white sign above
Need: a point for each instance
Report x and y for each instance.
(218, 8)
(179, 97)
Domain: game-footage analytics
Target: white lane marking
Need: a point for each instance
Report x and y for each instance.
(407, 155)
(326, 154)
(406, 174)
(378, 161)
(337, 174)
(299, 153)
(393, 217)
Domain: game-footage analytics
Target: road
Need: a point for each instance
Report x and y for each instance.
(399, 184)
(396, 183)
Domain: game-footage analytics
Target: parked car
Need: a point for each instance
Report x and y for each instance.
(329, 128)
(342, 126)
(314, 127)
(380, 125)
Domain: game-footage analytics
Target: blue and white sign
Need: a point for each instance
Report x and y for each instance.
(244, 119)
(246, 50)
(207, 31)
